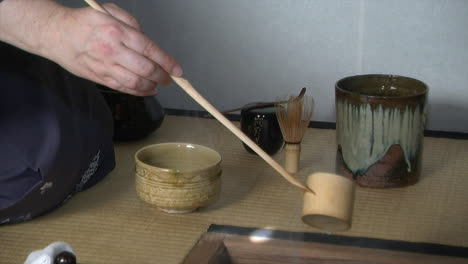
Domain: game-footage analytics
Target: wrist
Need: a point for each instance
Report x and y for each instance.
(27, 24)
(50, 30)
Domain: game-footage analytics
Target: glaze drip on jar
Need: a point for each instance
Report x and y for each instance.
(365, 134)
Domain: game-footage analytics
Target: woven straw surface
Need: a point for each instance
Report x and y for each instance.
(110, 224)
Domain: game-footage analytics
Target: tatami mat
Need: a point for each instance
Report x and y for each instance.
(109, 224)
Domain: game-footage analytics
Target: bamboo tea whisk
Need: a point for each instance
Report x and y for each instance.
(294, 117)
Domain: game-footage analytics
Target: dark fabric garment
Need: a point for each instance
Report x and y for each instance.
(55, 135)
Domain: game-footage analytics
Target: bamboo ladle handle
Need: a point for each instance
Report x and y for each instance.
(95, 5)
(188, 88)
(263, 105)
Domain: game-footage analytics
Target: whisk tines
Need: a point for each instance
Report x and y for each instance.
(294, 117)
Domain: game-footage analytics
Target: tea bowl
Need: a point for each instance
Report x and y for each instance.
(178, 177)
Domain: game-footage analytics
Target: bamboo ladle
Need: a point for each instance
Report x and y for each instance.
(263, 105)
(190, 90)
(330, 208)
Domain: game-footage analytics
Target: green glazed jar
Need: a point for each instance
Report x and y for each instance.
(380, 121)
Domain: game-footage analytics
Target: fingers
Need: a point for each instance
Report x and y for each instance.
(119, 78)
(123, 58)
(122, 15)
(143, 45)
(142, 66)
(130, 80)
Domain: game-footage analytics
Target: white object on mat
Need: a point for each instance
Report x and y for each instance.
(48, 254)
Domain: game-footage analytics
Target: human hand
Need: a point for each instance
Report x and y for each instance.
(110, 50)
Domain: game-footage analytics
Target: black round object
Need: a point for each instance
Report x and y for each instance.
(261, 125)
(65, 257)
(135, 117)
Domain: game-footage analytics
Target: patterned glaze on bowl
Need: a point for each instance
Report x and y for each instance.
(178, 177)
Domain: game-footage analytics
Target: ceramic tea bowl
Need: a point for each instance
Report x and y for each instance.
(380, 121)
(178, 177)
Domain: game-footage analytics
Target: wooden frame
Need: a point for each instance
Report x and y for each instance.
(219, 248)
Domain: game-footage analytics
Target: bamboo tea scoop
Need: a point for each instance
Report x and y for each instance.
(329, 208)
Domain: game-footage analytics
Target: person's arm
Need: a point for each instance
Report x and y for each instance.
(110, 50)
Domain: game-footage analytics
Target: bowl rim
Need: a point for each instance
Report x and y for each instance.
(204, 168)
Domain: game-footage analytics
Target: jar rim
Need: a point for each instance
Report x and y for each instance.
(410, 87)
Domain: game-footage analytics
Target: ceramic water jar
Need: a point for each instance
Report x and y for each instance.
(380, 122)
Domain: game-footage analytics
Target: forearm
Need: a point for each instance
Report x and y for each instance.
(106, 49)
(27, 23)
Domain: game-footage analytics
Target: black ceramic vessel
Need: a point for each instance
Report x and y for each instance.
(134, 117)
(261, 125)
